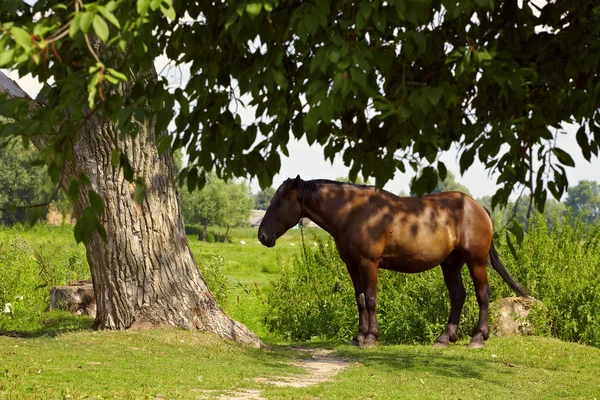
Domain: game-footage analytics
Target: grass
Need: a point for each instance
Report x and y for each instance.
(172, 363)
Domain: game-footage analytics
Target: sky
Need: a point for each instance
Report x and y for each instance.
(309, 161)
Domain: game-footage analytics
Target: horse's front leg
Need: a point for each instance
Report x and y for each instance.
(368, 276)
(363, 314)
(451, 269)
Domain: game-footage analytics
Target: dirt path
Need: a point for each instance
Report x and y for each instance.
(322, 366)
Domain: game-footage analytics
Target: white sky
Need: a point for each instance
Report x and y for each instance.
(309, 161)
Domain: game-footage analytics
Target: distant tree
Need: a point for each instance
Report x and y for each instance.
(359, 180)
(447, 185)
(238, 206)
(218, 203)
(206, 206)
(21, 183)
(450, 184)
(584, 201)
(263, 198)
(554, 211)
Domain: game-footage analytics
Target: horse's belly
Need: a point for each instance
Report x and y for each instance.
(407, 265)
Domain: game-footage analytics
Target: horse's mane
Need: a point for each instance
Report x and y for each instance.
(309, 190)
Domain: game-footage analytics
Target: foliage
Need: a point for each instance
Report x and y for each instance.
(205, 206)
(559, 266)
(217, 203)
(29, 270)
(584, 201)
(239, 204)
(555, 212)
(21, 184)
(216, 280)
(263, 198)
(388, 85)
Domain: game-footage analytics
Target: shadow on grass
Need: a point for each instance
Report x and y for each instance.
(49, 324)
(454, 363)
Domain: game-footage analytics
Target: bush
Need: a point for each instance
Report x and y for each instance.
(561, 267)
(217, 281)
(28, 272)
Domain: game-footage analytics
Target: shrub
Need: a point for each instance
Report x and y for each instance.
(27, 273)
(561, 267)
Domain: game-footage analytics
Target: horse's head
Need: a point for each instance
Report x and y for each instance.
(283, 213)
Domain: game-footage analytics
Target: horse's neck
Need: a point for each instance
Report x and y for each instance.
(324, 212)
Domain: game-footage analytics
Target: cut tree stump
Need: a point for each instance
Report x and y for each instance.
(77, 297)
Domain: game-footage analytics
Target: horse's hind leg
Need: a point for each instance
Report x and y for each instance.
(451, 268)
(482, 291)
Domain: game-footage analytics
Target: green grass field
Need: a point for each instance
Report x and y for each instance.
(57, 356)
(173, 363)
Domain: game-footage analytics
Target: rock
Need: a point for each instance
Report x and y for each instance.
(77, 297)
(510, 315)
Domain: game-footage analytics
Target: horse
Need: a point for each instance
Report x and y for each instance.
(374, 229)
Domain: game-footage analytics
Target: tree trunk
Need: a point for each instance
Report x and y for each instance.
(226, 238)
(205, 232)
(144, 273)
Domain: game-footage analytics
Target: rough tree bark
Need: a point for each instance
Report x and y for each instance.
(144, 273)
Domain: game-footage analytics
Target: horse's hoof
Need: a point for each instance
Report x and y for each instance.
(476, 344)
(369, 342)
(440, 345)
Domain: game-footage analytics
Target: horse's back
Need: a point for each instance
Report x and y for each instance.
(426, 230)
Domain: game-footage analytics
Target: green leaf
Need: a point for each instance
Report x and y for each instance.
(442, 171)
(110, 17)
(140, 191)
(74, 28)
(510, 246)
(358, 76)
(466, 159)
(100, 27)
(22, 37)
(6, 57)
(86, 21)
(127, 170)
(115, 158)
(73, 191)
(420, 41)
(117, 74)
(253, 9)
(434, 95)
(582, 141)
(563, 157)
(517, 230)
(334, 56)
(96, 201)
(142, 6)
(168, 12)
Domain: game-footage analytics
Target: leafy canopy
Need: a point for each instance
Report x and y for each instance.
(388, 85)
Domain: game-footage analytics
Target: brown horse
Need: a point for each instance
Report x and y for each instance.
(376, 229)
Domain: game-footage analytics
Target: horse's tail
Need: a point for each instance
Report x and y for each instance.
(494, 260)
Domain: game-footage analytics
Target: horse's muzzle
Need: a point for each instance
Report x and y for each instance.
(266, 240)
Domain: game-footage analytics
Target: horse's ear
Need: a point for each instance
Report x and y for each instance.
(295, 182)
